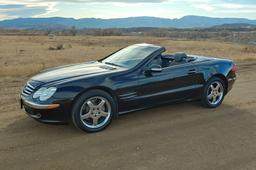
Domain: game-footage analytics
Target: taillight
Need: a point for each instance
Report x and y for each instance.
(234, 69)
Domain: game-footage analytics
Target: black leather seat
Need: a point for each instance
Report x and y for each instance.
(170, 60)
(180, 57)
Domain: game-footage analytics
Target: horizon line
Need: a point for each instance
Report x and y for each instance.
(126, 17)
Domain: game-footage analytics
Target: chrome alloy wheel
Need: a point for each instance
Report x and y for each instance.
(215, 93)
(95, 112)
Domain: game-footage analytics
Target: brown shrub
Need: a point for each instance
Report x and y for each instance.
(60, 47)
(249, 49)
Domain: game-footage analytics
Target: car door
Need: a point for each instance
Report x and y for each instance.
(171, 84)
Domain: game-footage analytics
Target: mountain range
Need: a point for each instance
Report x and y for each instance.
(190, 21)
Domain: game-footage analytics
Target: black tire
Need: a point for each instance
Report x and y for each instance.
(79, 103)
(204, 98)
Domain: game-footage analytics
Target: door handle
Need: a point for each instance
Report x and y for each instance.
(192, 71)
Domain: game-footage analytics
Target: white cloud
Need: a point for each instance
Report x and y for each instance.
(35, 2)
(50, 5)
(33, 8)
(4, 17)
(222, 7)
(50, 8)
(44, 8)
(205, 7)
(231, 6)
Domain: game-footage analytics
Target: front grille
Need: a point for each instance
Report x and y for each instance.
(28, 89)
(31, 87)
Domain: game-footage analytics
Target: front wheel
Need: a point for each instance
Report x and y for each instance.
(93, 111)
(214, 93)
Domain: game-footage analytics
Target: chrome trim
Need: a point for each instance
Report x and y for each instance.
(28, 89)
(37, 106)
(29, 85)
(132, 110)
(24, 94)
(169, 91)
(128, 96)
(37, 116)
(50, 121)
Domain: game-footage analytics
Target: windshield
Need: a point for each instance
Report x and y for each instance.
(130, 56)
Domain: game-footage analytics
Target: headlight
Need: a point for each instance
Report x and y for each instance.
(44, 93)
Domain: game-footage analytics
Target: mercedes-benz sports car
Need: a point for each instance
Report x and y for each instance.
(140, 76)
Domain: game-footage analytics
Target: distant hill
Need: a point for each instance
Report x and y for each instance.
(61, 23)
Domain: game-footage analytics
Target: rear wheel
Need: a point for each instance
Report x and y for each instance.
(93, 111)
(214, 93)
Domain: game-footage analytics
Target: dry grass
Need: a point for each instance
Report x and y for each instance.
(27, 55)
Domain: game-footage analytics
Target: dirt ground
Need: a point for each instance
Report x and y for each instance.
(174, 136)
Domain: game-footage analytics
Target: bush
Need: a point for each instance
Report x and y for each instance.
(60, 47)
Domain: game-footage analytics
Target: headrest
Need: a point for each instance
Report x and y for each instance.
(180, 56)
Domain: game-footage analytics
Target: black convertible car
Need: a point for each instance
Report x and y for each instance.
(140, 76)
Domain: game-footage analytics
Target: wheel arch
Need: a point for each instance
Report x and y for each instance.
(102, 88)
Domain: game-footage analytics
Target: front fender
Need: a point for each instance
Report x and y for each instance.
(71, 89)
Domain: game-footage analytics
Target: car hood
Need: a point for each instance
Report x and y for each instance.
(75, 70)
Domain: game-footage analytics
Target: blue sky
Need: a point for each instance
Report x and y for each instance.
(126, 8)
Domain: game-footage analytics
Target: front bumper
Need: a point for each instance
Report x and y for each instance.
(47, 113)
(39, 106)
